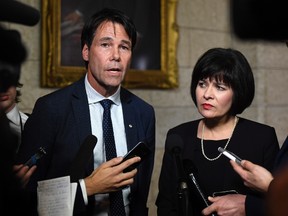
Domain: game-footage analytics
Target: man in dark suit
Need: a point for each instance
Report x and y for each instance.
(62, 120)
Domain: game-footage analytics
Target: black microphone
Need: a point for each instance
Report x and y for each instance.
(17, 12)
(82, 158)
(249, 19)
(191, 170)
(174, 145)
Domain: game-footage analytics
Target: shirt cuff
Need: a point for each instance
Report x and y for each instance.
(84, 192)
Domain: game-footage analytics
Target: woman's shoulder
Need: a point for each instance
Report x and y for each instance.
(251, 124)
(185, 127)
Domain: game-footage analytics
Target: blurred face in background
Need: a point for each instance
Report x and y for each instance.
(7, 99)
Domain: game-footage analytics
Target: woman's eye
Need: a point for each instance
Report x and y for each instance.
(201, 83)
(221, 87)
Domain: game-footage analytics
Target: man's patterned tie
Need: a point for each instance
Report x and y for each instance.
(116, 198)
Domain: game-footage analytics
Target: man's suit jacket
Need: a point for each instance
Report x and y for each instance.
(282, 157)
(60, 122)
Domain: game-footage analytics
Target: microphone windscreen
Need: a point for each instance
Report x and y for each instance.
(174, 143)
(17, 12)
(82, 158)
(259, 19)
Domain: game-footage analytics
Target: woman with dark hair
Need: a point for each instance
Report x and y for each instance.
(222, 87)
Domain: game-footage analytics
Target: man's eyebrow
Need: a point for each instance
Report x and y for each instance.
(105, 39)
(110, 39)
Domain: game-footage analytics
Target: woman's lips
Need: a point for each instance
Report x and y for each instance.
(207, 106)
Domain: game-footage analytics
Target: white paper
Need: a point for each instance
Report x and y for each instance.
(56, 197)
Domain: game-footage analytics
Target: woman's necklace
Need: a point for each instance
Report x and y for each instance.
(202, 142)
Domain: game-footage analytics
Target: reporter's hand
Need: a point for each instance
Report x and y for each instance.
(254, 176)
(227, 205)
(109, 176)
(24, 173)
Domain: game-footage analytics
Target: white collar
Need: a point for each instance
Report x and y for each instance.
(14, 116)
(95, 97)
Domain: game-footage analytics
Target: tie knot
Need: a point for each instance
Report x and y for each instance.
(106, 103)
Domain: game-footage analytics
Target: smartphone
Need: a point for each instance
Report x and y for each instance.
(223, 193)
(230, 155)
(34, 158)
(141, 150)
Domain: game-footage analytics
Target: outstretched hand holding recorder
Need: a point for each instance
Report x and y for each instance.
(26, 170)
(34, 158)
(230, 155)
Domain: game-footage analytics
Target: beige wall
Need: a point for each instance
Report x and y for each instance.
(203, 24)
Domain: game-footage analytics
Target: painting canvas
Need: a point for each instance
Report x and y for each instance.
(154, 57)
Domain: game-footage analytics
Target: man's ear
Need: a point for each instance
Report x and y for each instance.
(85, 53)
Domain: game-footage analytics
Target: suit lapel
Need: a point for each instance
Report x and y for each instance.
(81, 111)
(82, 116)
(130, 121)
(131, 127)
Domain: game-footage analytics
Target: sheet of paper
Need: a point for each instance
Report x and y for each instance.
(73, 194)
(56, 197)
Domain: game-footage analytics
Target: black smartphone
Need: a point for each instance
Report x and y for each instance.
(34, 158)
(141, 150)
(223, 193)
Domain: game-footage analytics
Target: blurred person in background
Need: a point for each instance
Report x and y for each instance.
(8, 103)
(13, 200)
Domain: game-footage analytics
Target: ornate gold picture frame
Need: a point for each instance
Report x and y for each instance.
(56, 75)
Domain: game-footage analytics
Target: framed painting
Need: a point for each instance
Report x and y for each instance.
(154, 63)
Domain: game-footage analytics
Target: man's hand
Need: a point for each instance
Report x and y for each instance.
(227, 205)
(109, 176)
(254, 176)
(24, 173)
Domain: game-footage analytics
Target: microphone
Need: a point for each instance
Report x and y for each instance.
(82, 158)
(174, 145)
(250, 21)
(191, 170)
(17, 12)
